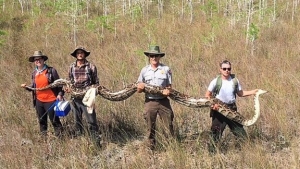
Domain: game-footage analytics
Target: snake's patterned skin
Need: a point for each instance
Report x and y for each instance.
(175, 95)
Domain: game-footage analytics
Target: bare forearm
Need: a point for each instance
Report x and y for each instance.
(247, 93)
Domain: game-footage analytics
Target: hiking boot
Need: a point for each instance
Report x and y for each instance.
(76, 133)
(58, 133)
(211, 149)
(152, 144)
(43, 137)
(96, 139)
(98, 144)
(152, 147)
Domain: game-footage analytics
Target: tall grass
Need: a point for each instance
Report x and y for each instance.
(196, 36)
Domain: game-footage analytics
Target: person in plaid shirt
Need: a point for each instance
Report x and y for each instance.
(83, 75)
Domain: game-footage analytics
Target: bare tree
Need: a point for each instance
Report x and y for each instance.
(22, 6)
(249, 15)
(190, 3)
(3, 5)
(160, 6)
(274, 10)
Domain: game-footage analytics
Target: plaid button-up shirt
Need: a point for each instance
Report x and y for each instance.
(83, 76)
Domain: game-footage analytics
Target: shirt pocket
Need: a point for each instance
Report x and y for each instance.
(148, 79)
(162, 80)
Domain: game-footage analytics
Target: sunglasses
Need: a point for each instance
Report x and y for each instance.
(154, 56)
(229, 69)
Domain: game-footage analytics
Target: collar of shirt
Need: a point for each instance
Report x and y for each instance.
(40, 71)
(85, 63)
(159, 67)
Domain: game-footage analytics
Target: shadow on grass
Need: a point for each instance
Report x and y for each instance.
(118, 128)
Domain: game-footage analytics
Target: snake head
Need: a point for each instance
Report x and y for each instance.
(260, 91)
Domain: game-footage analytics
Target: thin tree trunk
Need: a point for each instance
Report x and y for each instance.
(182, 8)
(74, 12)
(3, 5)
(22, 7)
(160, 8)
(115, 21)
(191, 10)
(87, 9)
(124, 7)
(274, 10)
(249, 20)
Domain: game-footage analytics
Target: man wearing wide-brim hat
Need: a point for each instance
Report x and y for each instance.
(154, 50)
(156, 74)
(83, 75)
(87, 53)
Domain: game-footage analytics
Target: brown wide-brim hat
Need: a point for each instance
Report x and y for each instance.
(37, 54)
(154, 50)
(87, 53)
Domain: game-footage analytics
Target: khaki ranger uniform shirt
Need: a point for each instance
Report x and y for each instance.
(162, 76)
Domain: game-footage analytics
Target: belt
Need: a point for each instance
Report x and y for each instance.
(155, 100)
(230, 105)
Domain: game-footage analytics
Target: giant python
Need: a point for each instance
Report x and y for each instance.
(175, 95)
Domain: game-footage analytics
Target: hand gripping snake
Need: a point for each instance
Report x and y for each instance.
(175, 95)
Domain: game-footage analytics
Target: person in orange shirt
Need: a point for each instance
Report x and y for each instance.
(44, 100)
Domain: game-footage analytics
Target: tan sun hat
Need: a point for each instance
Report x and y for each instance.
(87, 53)
(154, 50)
(37, 54)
